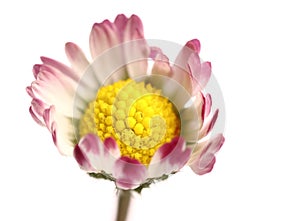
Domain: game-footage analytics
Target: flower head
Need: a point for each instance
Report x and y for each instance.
(128, 115)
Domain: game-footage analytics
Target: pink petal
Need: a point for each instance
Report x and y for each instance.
(181, 69)
(62, 68)
(161, 62)
(136, 50)
(53, 88)
(36, 117)
(51, 95)
(205, 73)
(120, 22)
(205, 161)
(54, 69)
(194, 44)
(199, 104)
(201, 72)
(188, 62)
(76, 57)
(38, 106)
(170, 157)
(37, 109)
(30, 92)
(90, 144)
(191, 47)
(49, 72)
(129, 173)
(208, 124)
(207, 105)
(203, 105)
(103, 36)
(182, 77)
(133, 29)
(61, 129)
(48, 117)
(36, 70)
(82, 160)
(101, 156)
(111, 147)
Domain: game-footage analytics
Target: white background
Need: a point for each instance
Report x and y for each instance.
(254, 49)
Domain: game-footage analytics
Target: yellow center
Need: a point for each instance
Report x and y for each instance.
(135, 115)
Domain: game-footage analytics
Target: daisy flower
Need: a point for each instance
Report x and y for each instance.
(128, 114)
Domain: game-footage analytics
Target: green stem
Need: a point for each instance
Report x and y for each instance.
(123, 204)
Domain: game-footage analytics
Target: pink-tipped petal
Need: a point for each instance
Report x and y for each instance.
(170, 157)
(199, 104)
(36, 70)
(201, 72)
(161, 62)
(182, 77)
(134, 29)
(38, 106)
(205, 73)
(207, 105)
(188, 61)
(111, 147)
(62, 68)
(53, 94)
(101, 156)
(76, 57)
(37, 110)
(103, 36)
(61, 129)
(36, 117)
(194, 44)
(208, 124)
(136, 51)
(213, 120)
(54, 87)
(181, 71)
(90, 144)
(50, 73)
(129, 173)
(204, 162)
(82, 160)
(120, 22)
(190, 48)
(30, 92)
(48, 117)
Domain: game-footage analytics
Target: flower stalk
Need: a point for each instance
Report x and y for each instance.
(124, 199)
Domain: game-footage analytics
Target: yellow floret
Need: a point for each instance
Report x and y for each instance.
(138, 129)
(141, 105)
(120, 125)
(120, 114)
(146, 122)
(131, 122)
(132, 111)
(108, 120)
(121, 105)
(138, 116)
